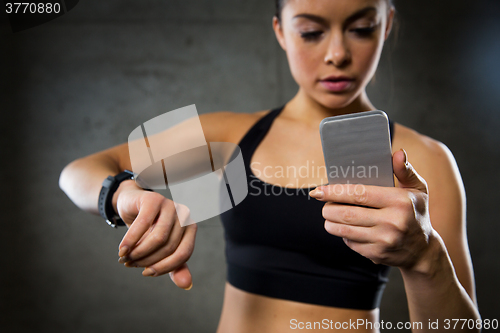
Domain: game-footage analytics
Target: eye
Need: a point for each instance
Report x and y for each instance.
(363, 32)
(311, 35)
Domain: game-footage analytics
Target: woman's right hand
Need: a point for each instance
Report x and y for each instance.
(155, 239)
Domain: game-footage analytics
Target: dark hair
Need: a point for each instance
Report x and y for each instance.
(279, 7)
(281, 3)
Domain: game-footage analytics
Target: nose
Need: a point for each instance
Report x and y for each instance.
(337, 53)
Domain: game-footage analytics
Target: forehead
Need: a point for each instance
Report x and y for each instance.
(334, 9)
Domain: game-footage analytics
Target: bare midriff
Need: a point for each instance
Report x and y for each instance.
(243, 312)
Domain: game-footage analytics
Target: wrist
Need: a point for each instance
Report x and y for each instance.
(126, 185)
(430, 262)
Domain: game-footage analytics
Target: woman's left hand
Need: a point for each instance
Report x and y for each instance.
(388, 225)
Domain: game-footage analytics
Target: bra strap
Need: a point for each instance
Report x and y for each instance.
(256, 134)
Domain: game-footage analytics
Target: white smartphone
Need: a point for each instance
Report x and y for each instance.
(357, 149)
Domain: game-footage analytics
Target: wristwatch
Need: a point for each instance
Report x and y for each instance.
(109, 187)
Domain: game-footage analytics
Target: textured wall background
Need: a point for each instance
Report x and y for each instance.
(81, 83)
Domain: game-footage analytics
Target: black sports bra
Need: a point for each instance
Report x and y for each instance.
(277, 246)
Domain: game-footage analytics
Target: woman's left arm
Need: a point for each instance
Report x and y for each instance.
(393, 226)
(441, 284)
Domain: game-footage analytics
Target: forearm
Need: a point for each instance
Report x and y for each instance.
(82, 179)
(435, 293)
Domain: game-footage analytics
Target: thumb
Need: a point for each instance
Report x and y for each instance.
(182, 278)
(406, 174)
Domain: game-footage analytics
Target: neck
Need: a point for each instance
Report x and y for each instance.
(305, 109)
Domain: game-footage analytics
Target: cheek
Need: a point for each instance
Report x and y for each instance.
(304, 63)
(366, 57)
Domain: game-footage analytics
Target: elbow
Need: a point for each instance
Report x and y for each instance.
(65, 177)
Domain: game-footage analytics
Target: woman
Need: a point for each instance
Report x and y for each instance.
(275, 282)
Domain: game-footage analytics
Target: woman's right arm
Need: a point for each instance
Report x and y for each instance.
(82, 179)
(155, 239)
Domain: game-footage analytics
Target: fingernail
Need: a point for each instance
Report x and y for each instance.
(317, 193)
(406, 157)
(190, 286)
(149, 272)
(123, 251)
(123, 260)
(130, 264)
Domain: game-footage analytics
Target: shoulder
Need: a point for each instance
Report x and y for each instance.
(227, 126)
(424, 152)
(426, 149)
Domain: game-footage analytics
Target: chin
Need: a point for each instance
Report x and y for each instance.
(336, 101)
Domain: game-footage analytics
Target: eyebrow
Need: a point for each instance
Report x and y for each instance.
(352, 18)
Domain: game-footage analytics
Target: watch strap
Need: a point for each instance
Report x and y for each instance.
(108, 189)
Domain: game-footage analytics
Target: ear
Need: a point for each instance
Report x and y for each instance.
(278, 31)
(390, 21)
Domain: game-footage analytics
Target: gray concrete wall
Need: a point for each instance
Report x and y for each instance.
(81, 83)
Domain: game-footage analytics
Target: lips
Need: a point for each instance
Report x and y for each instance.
(337, 83)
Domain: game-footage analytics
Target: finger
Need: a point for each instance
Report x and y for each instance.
(179, 257)
(125, 257)
(353, 233)
(183, 214)
(352, 215)
(406, 174)
(182, 277)
(368, 250)
(356, 194)
(166, 230)
(147, 214)
(145, 258)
